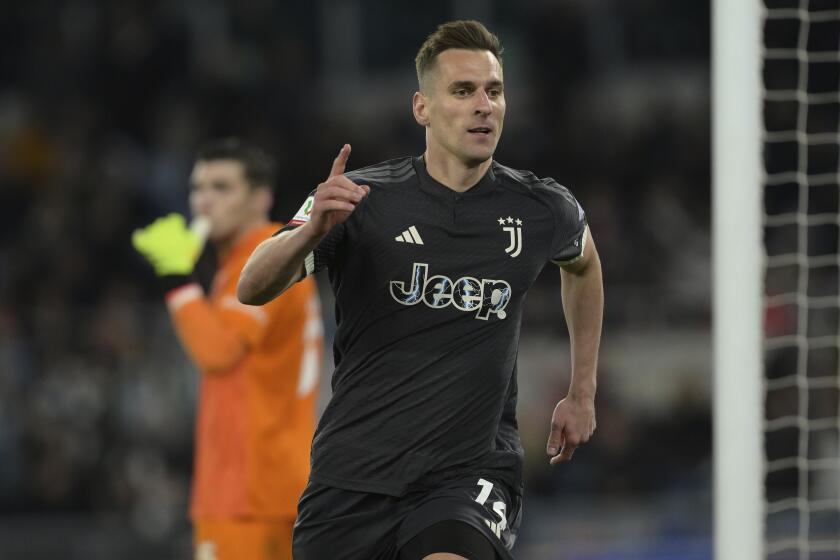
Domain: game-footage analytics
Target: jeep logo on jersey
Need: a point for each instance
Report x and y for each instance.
(466, 294)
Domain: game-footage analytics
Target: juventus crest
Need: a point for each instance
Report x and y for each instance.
(515, 232)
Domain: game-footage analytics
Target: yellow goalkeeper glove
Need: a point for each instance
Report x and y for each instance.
(169, 245)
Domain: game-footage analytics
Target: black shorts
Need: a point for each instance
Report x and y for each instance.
(336, 524)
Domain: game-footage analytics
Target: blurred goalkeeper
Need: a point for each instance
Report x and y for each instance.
(259, 365)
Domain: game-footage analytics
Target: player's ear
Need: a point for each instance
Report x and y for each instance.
(420, 106)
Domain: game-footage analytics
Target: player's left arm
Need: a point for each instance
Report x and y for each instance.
(573, 420)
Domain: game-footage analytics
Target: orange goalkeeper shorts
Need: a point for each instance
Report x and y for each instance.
(243, 540)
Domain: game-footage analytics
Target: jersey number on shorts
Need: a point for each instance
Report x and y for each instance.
(498, 506)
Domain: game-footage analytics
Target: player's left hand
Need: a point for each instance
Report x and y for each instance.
(572, 424)
(170, 247)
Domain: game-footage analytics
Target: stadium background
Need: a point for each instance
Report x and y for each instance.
(102, 105)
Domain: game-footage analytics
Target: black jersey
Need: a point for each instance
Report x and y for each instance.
(429, 286)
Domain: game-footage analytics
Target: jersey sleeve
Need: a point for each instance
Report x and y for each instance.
(218, 334)
(323, 256)
(215, 340)
(569, 223)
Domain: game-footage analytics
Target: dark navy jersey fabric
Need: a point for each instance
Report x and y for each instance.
(429, 286)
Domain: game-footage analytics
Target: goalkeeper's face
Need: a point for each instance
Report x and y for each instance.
(462, 104)
(220, 191)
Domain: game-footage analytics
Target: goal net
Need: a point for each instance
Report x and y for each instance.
(777, 279)
(802, 289)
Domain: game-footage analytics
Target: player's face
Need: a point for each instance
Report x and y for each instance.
(466, 109)
(220, 191)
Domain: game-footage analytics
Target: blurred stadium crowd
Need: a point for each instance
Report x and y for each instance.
(102, 105)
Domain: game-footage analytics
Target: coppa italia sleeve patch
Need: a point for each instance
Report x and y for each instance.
(302, 215)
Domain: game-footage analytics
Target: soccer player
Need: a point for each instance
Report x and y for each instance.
(417, 454)
(259, 366)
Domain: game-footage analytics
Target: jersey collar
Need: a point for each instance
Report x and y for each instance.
(429, 184)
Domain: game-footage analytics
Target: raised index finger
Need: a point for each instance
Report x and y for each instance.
(340, 161)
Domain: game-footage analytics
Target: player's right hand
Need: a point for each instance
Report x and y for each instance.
(336, 197)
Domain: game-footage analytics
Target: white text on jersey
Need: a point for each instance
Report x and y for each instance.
(484, 296)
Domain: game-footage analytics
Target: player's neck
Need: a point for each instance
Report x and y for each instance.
(225, 246)
(453, 173)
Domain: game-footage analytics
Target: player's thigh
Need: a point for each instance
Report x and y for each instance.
(485, 505)
(243, 539)
(336, 524)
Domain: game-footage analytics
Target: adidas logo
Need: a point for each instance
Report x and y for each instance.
(409, 236)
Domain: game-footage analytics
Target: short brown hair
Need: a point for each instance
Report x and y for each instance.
(259, 167)
(461, 34)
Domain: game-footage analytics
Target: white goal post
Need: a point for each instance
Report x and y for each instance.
(737, 280)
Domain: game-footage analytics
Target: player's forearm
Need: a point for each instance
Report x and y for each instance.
(583, 304)
(275, 265)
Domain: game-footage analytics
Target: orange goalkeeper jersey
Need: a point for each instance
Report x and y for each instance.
(256, 409)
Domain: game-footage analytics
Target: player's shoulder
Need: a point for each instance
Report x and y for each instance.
(245, 246)
(387, 173)
(529, 184)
